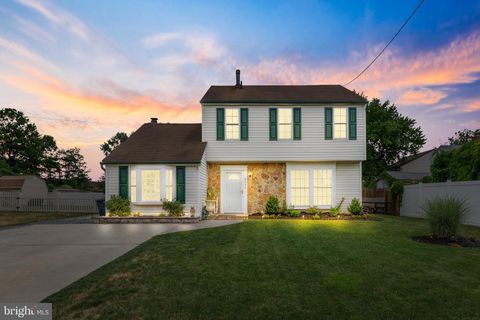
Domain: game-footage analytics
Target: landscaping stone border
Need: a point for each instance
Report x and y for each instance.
(114, 220)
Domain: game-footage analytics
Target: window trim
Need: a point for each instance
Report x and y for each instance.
(226, 124)
(310, 167)
(346, 123)
(279, 123)
(163, 189)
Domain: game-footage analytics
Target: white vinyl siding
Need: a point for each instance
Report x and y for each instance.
(312, 147)
(348, 183)
(111, 181)
(202, 184)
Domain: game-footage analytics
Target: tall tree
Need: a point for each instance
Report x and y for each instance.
(72, 165)
(390, 137)
(113, 142)
(22, 147)
(463, 136)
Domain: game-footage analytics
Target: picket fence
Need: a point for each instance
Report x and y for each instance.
(14, 202)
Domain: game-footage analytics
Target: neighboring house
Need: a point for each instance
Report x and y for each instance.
(26, 186)
(303, 144)
(412, 169)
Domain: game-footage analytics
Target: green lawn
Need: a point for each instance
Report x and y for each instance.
(14, 218)
(284, 270)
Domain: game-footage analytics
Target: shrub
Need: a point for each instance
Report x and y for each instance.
(174, 208)
(118, 207)
(294, 213)
(313, 210)
(284, 209)
(427, 179)
(334, 211)
(355, 207)
(272, 206)
(445, 215)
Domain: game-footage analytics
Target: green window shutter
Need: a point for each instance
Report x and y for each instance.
(352, 123)
(123, 182)
(273, 124)
(297, 124)
(244, 124)
(328, 124)
(181, 184)
(220, 124)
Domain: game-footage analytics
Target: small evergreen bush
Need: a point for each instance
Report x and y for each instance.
(118, 207)
(355, 207)
(294, 213)
(174, 208)
(445, 215)
(313, 210)
(272, 206)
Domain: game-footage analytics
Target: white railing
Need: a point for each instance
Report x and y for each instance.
(12, 201)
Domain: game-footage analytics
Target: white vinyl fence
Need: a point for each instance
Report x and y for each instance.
(416, 195)
(14, 202)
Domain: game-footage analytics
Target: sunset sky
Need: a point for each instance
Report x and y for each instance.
(83, 70)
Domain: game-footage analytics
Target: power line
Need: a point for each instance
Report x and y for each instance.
(396, 34)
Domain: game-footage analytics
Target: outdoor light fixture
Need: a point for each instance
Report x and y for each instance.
(250, 174)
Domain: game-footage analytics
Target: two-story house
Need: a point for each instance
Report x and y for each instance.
(303, 144)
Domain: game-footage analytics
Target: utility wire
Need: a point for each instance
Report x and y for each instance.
(396, 34)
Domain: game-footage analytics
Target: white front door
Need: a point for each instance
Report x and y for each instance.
(233, 189)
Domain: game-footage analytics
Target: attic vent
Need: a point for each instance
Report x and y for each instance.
(153, 120)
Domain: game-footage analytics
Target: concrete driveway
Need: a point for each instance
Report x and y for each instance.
(40, 259)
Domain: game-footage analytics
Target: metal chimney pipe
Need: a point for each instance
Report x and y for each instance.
(238, 82)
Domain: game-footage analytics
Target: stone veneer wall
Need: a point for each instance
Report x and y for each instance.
(266, 179)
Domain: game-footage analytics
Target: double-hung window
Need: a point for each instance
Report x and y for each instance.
(285, 123)
(339, 123)
(322, 187)
(300, 187)
(232, 123)
(310, 185)
(169, 184)
(133, 185)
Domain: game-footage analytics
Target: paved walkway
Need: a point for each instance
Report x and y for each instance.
(40, 259)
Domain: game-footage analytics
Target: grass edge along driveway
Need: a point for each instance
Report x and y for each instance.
(283, 269)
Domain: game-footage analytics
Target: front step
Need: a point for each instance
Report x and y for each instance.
(228, 217)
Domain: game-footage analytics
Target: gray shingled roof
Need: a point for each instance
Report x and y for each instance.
(161, 143)
(281, 94)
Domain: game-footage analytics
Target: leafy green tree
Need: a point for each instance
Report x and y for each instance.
(73, 169)
(113, 142)
(5, 169)
(390, 137)
(462, 164)
(22, 147)
(463, 136)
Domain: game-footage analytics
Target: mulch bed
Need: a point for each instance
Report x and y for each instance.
(457, 242)
(306, 216)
